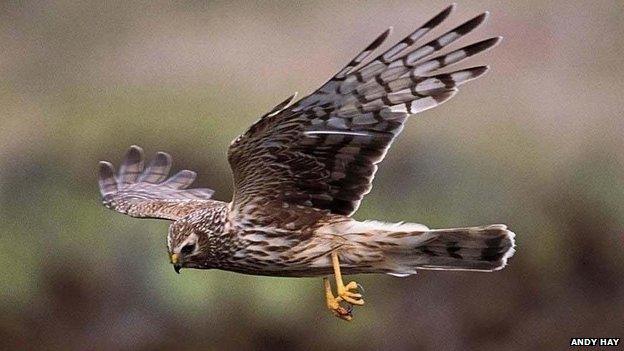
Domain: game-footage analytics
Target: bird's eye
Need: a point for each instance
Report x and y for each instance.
(188, 249)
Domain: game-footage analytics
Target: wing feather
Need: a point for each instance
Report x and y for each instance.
(321, 153)
(147, 193)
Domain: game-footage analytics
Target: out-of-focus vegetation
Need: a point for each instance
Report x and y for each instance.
(536, 144)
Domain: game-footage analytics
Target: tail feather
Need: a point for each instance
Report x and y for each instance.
(408, 247)
(479, 248)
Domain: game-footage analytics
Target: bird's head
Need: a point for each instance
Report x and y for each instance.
(188, 242)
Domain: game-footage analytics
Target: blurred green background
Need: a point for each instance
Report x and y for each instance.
(536, 144)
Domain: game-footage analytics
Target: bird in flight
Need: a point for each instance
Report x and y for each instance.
(301, 171)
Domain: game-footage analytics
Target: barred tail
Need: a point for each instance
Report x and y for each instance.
(406, 247)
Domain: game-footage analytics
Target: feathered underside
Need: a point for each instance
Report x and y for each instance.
(322, 152)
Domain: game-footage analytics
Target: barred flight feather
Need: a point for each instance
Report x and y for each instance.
(340, 132)
(147, 193)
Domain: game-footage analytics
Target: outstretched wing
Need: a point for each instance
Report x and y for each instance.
(147, 192)
(321, 153)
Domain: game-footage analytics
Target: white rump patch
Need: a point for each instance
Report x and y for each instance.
(368, 226)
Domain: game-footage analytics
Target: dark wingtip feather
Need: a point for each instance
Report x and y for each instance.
(481, 46)
(440, 17)
(106, 170)
(471, 24)
(134, 155)
(479, 70)
(134, 152)
(362, 55)
(466, 75)
(163, 158)
(380, 39)
(106, 178)
(445, 96)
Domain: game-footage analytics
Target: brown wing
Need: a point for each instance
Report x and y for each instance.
(321, 153)
(148, 193)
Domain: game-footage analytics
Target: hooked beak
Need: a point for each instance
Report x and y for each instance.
(177, 265)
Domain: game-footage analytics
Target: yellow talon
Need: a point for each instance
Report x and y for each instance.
(333, 303)
(347, 293)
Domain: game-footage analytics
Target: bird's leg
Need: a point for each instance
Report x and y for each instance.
(347, 293)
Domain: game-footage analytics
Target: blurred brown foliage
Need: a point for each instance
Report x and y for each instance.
(536, 144)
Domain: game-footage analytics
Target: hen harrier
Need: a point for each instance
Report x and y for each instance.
(301, 171)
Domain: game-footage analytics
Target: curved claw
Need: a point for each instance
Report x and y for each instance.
(351, 286)
(344, 313)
